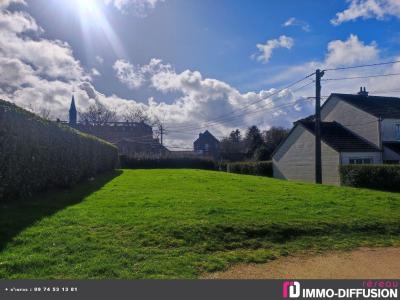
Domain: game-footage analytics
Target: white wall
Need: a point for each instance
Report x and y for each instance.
(354, 119)
(388, 129)
(346, 156)
(295, 159)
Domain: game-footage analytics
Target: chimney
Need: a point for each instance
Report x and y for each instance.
(363, 92)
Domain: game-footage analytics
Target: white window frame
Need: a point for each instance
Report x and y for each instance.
(362, 160)
(397, 131)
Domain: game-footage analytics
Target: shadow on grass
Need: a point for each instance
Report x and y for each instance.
(15, 216)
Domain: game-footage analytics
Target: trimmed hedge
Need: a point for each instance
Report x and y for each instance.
(167, 163)
(380, 177)
(36, 154)
(260, 168)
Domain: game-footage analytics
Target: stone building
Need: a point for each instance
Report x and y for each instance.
(131, 138)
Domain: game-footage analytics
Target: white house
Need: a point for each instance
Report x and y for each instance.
(355, 129)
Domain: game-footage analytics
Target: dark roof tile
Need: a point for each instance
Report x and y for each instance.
(385, 107)
(339, 138)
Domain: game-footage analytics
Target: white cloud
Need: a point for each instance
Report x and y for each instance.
(267, 48)
(350, 52)
(52, 58)
(99, 59)
(17, 22)
(139, 7)
(296, 22)
(6, 3)
(367, 9)
(201, 99)
(128, 74)
(339, 53)
(134, 76)
(95, 72)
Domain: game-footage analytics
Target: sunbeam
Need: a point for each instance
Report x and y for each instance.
(92, 17)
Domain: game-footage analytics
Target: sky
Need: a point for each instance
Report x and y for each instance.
(194, 64)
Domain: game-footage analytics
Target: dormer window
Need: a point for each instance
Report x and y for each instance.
(397, 131)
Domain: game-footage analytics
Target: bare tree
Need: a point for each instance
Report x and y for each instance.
(98, 114)
(45, 113)
(41, 111)
(135, 115)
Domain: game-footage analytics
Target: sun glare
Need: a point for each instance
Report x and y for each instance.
(87, 7)
(92, 17)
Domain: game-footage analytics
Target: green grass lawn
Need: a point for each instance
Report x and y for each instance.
(181, 223)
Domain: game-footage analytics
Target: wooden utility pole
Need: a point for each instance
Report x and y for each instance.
(161, 134)
(318, 158)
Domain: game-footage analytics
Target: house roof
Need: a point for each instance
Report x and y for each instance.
(394, 146)
(339, 138)
(206, 134)
(385, 107)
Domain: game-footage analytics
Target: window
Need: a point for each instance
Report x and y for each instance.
(397, 131)
(360, 161)
(391, 162)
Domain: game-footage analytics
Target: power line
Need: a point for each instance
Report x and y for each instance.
(363, 66)
(252, 112)
(222, 117)
(361, 77)
(258, 111)
(266, 107)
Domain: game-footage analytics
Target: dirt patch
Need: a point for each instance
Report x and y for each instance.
(357, 264)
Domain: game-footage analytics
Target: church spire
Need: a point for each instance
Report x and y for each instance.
(72, 112)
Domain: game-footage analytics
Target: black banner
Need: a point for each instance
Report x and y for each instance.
(199, 289)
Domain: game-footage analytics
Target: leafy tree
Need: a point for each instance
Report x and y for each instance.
(235, 137)
(274, 136)
(262, 153)
(253, 140)
(232, 146)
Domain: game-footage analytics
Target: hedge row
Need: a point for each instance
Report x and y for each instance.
(167, 163)
(36, 154)
(381, 177)
(260, 168)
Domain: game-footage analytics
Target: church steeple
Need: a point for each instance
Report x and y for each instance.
(72, 112)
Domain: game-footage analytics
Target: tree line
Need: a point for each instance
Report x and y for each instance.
(254, 145)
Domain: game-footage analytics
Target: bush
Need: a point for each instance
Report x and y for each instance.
(381, 177)
(36, 154)
(260, 168)
(168, 163)
(262, 153)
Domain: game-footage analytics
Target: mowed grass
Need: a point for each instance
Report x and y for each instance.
(181, 223)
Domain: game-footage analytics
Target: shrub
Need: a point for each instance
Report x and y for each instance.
(260, 168)
(36, 154)
(262, 153)
(381, 177)
(167, 163)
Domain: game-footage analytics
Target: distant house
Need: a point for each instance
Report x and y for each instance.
(207, 145)
(355, 129)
